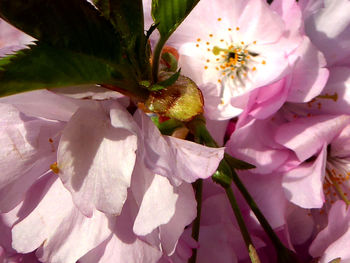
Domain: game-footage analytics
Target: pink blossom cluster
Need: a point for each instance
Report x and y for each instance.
(84, 178)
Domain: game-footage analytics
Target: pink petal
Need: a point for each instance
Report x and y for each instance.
(329, 30)
(185, 213)
(119, 250)
(255, 144)
(214, 107)
(310, 7)
(218, 248)
(300, 224)
(92, 92)
(258, 22)
(272, 205)
(56, 225)
(96, 159)
(338, 92)
(303, 185)
(290, 12)
(192, 160)
(332, 241)
(269, 99)
(28, 149)
(341, 144)
(123, 245)
(309, 75)
(175, 158)
(306, 136)
(153, 212)
(46, 104)
(11, 36)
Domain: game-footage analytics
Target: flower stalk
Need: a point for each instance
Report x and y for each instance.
(243, 228)
(156, 58)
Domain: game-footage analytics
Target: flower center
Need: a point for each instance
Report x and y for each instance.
(233, 61)
(337, 180)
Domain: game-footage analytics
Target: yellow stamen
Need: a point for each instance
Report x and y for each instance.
(54, 168)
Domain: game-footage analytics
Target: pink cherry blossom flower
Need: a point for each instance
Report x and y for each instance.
(240, 46)
(320, 144)
(99, 151)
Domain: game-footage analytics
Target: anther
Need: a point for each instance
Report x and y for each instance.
(54, 168)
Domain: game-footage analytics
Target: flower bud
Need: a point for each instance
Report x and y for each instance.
(182, 100)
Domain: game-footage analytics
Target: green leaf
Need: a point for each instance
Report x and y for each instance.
(43, 66)
(73, 24)
(238, 164)
(165, 83)
(77, 45)
(170, 13)
(127, 19)
(171, 80)
(156, 87)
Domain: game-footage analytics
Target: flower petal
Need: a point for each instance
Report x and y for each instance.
(332, 241)
(306, 136)
(28, 148)
(157, 206)
(57, 225)
(303, 185)
(96, 160)
(175, 158)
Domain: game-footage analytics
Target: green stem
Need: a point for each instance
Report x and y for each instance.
(198, 185)
(200, 132)
(247, 240)
(155, 59)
